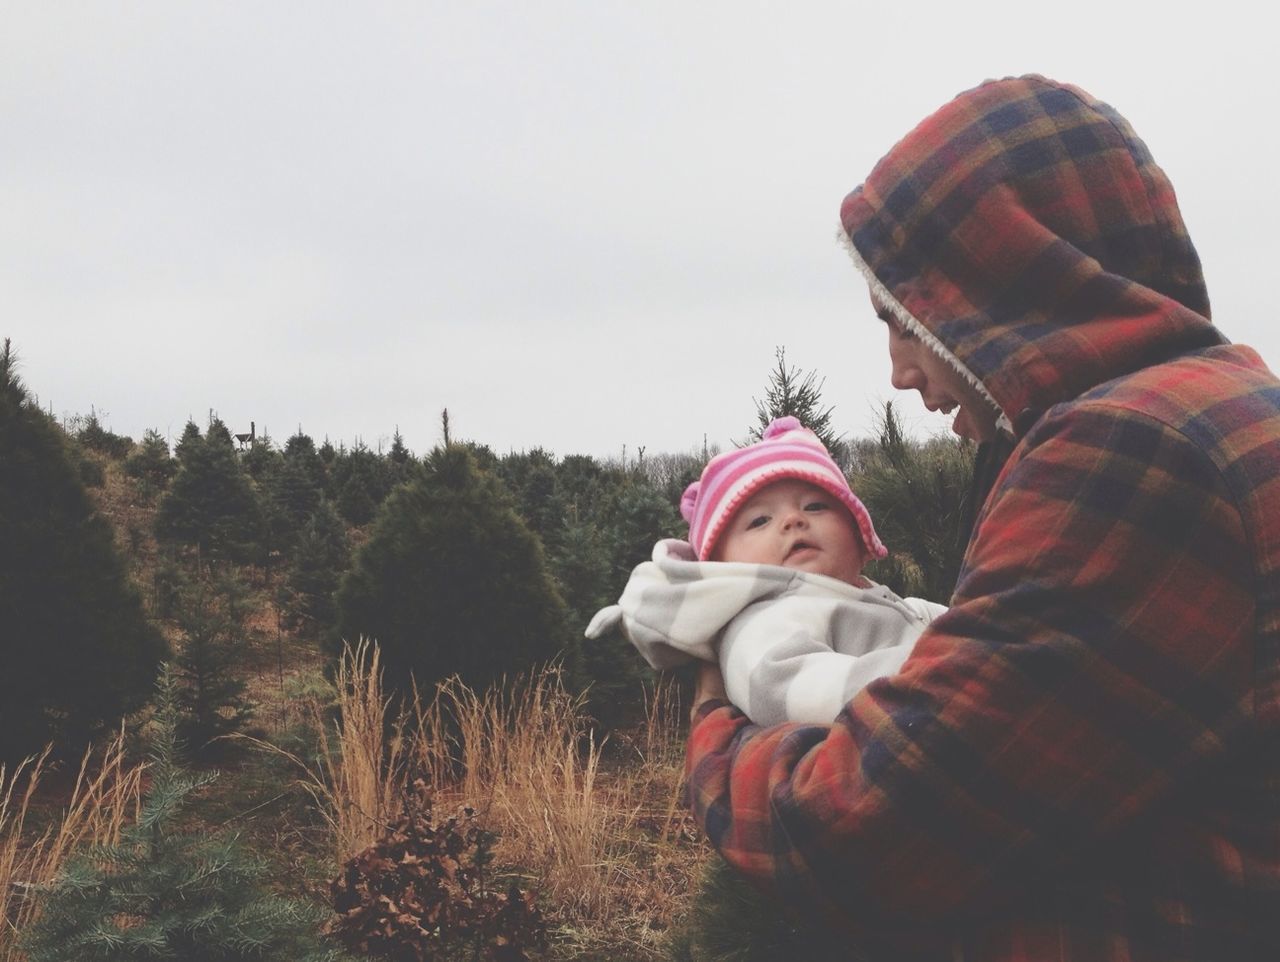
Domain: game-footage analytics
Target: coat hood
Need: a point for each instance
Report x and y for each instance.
(1026, 235)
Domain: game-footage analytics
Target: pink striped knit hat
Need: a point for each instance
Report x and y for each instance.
(787, 450)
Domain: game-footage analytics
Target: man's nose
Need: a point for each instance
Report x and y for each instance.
(906, 376)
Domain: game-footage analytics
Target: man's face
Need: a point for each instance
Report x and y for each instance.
(941, 387)
(797, 525)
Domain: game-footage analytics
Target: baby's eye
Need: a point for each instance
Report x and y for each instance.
(757, 521)
(817, 506)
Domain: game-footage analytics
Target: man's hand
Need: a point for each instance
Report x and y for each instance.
(710, 686)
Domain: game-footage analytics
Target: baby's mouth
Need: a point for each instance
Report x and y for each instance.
(798, 547)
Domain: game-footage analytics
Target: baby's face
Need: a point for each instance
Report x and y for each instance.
(797, 525)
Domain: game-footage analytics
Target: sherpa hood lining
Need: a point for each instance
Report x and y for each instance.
(916, 328)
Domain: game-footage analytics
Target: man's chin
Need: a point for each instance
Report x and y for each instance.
(965, 427)
(973, 429)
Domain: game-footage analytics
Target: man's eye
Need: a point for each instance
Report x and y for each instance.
(895, 328)
(757, 521)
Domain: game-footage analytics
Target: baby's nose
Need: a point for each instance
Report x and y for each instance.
(795, 519)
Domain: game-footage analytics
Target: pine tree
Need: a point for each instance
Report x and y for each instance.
(593, 562)
(171, 892)
(76, 647)
(355, 502)
(398, 453)
(301, 451)
(612, 673)
(400, 461)
(531, 478)
(639, 516)
(322, 556)
(581, 479)
(451, 581)
(95, 437)
(798, 394)
(190, 442)
(917, 493)
(210, 504)
(151, 464)
(293, 496)
(581, 565)
(328, 454)
(210, 696)
(262, 459)
(361, 483)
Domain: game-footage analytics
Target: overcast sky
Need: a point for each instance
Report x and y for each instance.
(577, 225)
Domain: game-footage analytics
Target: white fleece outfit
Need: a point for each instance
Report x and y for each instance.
(792, 646)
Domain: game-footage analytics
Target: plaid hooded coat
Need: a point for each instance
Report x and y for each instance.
(1081, 758)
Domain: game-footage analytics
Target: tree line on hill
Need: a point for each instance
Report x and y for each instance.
(460, 562)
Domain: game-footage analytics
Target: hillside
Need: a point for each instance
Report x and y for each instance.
(611, 858)
(242, 556)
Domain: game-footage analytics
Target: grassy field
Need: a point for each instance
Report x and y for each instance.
(594, 828)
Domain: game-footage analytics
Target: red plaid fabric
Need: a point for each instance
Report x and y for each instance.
(1081, 759)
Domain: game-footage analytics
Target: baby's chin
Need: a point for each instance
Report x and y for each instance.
(823, 566)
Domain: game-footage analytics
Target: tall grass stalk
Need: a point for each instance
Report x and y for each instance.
(104, 798)
(359, 774)
(364, 764)
(523, 755)
(662, 754)
(580, 842)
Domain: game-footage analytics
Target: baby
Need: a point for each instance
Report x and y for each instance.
(770, 584)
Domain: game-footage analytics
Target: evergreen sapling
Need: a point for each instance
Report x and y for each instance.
(211, 700)
(168, 892)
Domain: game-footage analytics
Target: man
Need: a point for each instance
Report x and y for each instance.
(1081, 759)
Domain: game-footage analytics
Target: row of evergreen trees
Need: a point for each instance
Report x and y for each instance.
(475, 565)
(468, 563)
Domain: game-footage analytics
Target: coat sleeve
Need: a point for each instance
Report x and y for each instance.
(928, 610)
(1096, 659)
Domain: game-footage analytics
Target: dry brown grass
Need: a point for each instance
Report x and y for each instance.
(360, 773)
(362, 765)
(659, 875)
(105, 797)
(609, 848)
(522, 755)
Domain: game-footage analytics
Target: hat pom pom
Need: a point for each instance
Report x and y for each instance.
(782, 426)
(688, 501)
